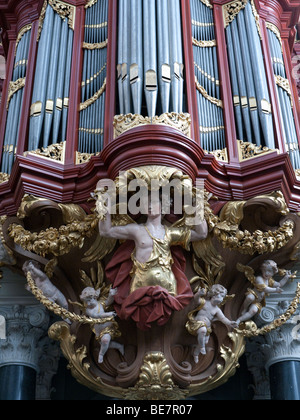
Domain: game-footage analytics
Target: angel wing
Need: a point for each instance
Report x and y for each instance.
(248, 271)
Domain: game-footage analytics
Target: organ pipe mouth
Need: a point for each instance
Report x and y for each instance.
(151, 80)
(134, 73)
(166, 73)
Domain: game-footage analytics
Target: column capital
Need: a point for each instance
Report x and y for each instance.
(283, 343)
(26, 326)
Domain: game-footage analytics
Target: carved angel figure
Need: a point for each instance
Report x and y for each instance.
(43, 282)
(263, 285)
(208, 310)
(156, 285)
(106, 332)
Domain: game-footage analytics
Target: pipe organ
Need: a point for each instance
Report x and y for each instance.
(15, 98)
(252, 106)
(147, 59)
(210, 113)
(50, 97)
(150, 57)
(284, 96)
(93, 78)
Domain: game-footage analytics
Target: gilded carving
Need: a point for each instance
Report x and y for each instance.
(249, 150)
(231, 10)
(181, 122)
(53, 151)
(13, 88)
(154, 358)
(155, 381)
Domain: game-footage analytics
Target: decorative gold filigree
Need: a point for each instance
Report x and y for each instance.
(285, 85)
(256, 17)
(23, 31)
(13, 88)
(204, 44)
(231, 10)
(181, 122)
(97, 46)
(4, 177)
(276, 31)
(53, 151)
(220, 155)
(41, 19)
(249, 150)
(94, 98)
(64, 10)
(84, 157)
(211, 99)
(155, 381)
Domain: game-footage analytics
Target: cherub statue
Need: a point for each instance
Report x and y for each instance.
(106, 332)
(42, 281)
(263, 285)
(200, 319)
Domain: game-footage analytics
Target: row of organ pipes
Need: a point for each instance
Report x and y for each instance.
(284, 97)
(49, 109)
(150, 75)
(93, 86)
(150, 57)
(14, 103)
(210, 112)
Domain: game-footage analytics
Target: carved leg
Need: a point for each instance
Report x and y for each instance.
(118, 346)
(104, 344)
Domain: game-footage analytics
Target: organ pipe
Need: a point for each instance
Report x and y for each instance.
(210, 110)
(91, 119)
(153, 33)
(15, 99)
(48, 113)
(249, 82)
(284, 96)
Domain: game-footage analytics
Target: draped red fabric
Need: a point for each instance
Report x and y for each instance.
(146, 304)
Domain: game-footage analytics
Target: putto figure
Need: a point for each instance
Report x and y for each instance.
(43, 282)
(208, 310)
(105, 333)
(264, 284)
(154, 283)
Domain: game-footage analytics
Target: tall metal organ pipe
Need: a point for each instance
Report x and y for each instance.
(152, 30)
(210, 106)
(15, 100)
(251, 97)
(93, 86)
(49, 109)
(284, 96)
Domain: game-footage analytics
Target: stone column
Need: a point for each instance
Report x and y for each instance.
(28, 358)
(20, 351)
(274, 359)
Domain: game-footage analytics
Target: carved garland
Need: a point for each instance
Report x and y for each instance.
(251, 329)
(62, 312)
(54, 241)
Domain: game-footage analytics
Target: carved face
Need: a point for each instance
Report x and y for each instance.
(154, 206)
